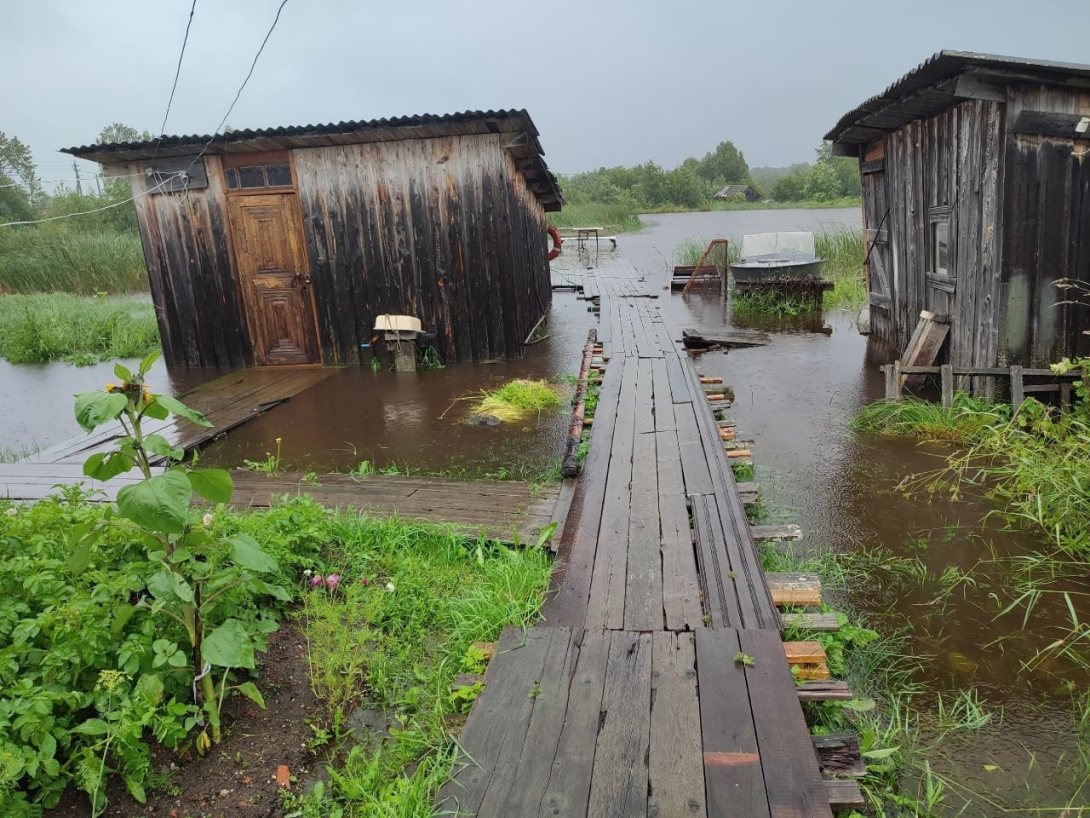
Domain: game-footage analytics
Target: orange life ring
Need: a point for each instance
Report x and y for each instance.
(557, 241)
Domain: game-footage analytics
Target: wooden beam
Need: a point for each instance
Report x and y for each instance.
(807, 660)
(794, 589)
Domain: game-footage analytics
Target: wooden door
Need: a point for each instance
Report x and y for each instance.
(272, 269)
(877, 245)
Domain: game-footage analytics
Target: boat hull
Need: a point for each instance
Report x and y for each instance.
(761, 272)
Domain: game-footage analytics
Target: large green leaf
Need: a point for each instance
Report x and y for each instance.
(95, 408)
(157, 444)
(106, 465)
(246, 552)
(149, 359)
(122, 372)
(181, 410)
(160, 503)
(229, 645)
(215, 485)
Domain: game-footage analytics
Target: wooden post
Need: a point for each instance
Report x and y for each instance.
(887, 370)
(898, 381)
(1065, 395)
(570, 466)
(946, 374)
(1018, 393)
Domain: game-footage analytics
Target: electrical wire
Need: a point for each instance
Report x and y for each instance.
(177, 74)
(184, 174)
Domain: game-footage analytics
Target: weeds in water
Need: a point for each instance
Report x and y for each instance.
(611, 218)
(771, 301)
(56, 259)
(742, 471)
(966, 421)
(271, 463)
(428, 358)
(77, 329)
(964, 712)
(516, 399)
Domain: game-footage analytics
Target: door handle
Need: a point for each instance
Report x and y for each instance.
(303, 279)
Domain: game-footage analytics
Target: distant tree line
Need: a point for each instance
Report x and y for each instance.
(694, 183)
(24, 198)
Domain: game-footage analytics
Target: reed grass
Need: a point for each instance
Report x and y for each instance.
(55, 258)
(964, 422)
(610, 217)
(81, 330)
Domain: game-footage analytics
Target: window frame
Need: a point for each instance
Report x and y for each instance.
(937, 215)
(262, 159)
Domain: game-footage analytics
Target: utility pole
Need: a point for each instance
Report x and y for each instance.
(79, 188)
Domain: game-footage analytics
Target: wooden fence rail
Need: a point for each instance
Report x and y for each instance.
(1062, 383)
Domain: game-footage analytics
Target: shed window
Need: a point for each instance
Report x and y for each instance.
(941, 252)
(253, 176)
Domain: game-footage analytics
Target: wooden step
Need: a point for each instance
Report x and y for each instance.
(716, 396)
(726, 423)
(739, 453)
(704, 379)
(838, 755)
(809, 658)
(794, 589)
(824, 690)
(809, 621)
(726, 434)
(844, 794)
(790, 531)
(719, 405)
(749, 498)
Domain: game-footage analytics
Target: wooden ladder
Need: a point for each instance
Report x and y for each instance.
(699, 271)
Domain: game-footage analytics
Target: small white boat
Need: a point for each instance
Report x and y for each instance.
(769, 257)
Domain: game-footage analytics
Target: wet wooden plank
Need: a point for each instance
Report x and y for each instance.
(826, 690)
(679, 387)
(810, 621)
(619, 786)
(500, 717)
(694, 464)
(571, 581)
(788, 531)
(605, 608)
(643, 577)
(567, 791)
(794, 588)
(733, 779)
(664, 402)
(675, 763)
(720, 593)
(792, 779)
(680, 581)
(521, 777)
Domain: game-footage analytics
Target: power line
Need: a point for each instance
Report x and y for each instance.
(177, 74)
(181, 174)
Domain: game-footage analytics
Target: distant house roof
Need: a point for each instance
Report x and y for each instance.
(521, 142)
(734, 190)
(942, 81)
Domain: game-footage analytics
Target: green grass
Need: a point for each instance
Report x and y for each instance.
(398, 642)
(57, 258)
(611, 218)
(78, 329)
(965, 422)
(516, 399)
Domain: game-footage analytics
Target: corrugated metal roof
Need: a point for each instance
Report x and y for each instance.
(915, 96)
(528, 156)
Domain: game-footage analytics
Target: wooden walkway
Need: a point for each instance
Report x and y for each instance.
(504, 510)
(657, 684)
(227, 402)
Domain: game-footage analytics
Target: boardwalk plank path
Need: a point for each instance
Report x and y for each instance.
(664, 690)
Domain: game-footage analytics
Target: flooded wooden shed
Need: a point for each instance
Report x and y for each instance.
(976, 205)
(282, 245)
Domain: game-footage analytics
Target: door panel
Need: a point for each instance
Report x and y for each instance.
(275, 279)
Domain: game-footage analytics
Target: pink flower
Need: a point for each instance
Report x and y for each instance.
(332, 581)
(316, 580)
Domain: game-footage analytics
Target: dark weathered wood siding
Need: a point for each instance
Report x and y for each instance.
(187, 248)
(1047, 235)
(951, 159)
(443, 229)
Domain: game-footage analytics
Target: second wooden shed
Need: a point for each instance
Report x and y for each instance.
(283, 245)
(976, 205)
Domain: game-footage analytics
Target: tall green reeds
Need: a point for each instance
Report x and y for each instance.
(613, 218)
(60, 326)
(60, 258)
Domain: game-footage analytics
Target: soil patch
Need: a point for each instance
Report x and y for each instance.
(236, 779)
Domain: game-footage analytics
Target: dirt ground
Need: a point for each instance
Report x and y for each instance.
(237, 779)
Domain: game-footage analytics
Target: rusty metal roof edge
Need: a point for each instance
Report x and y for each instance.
(950, 63)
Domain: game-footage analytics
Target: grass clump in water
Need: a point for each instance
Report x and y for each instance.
(516, 399)
(59, 326)
(59, 258)
(966, 421)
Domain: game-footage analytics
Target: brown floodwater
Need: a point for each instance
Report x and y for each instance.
(795, 399)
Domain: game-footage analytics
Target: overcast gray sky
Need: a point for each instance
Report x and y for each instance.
(606, 82)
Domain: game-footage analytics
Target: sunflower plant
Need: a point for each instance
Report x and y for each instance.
(201, 589)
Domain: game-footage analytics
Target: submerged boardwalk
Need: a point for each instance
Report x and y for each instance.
(657, 684)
